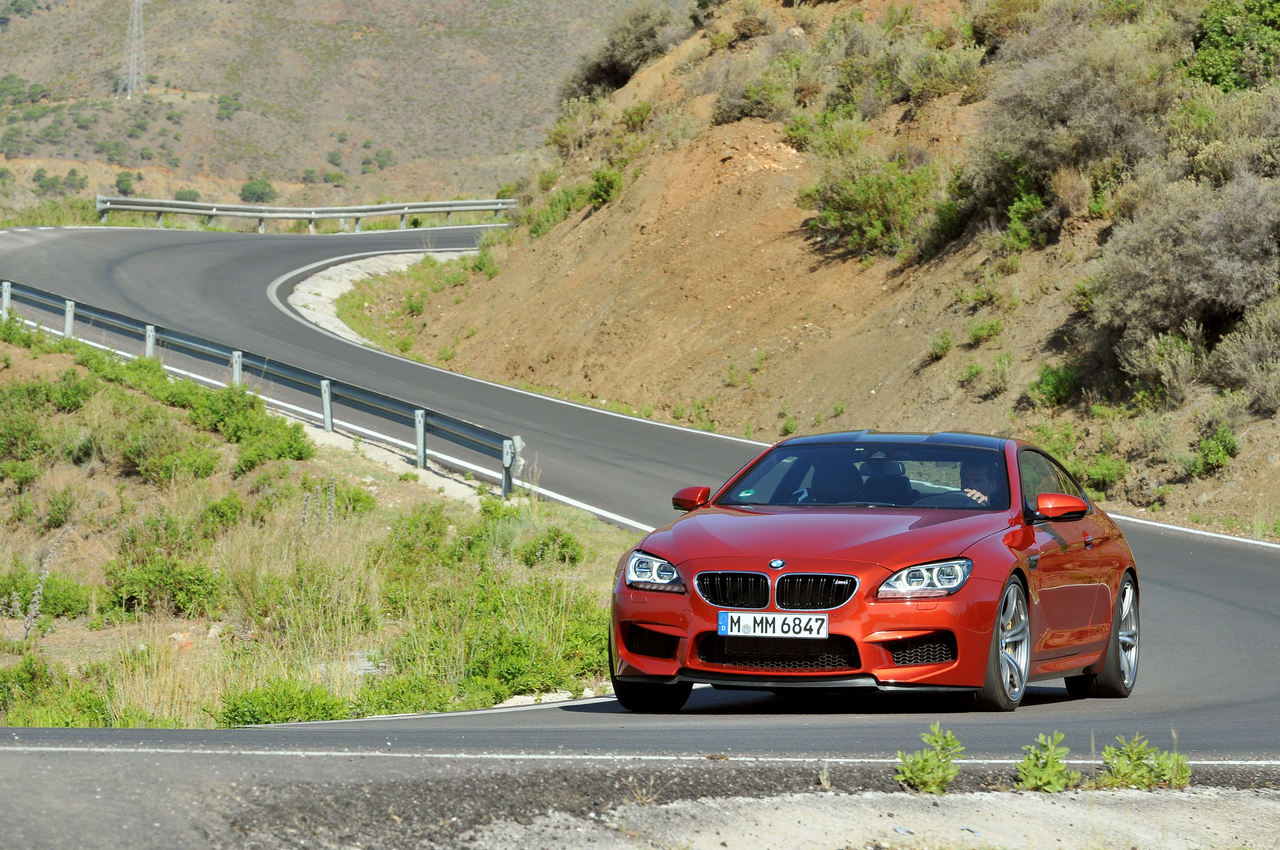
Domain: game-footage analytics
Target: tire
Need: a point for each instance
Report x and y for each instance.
(1009, 660)
(648, 697)
(651, 698)
(1120, 665)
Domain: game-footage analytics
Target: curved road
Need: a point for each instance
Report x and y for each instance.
(1208, 683)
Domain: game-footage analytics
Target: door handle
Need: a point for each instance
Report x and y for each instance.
(1088, 542)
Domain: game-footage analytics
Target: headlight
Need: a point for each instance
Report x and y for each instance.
(924, 580)
(645, 572)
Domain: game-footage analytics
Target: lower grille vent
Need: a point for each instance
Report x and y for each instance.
(782, 655)
(642, 641)
(928, 649)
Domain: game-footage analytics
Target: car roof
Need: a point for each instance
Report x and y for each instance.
(868, 437)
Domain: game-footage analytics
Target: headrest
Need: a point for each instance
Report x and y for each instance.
(883, 468)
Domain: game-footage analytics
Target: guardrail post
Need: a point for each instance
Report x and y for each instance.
(326, 403)
(402, 216)
(102, 217)
(6, 292)
(159, 219)
(311, 226)
(357, 224)
(420, 434)
(69, 321)
(511, 462)
(262, 225)
(150, 349)
(237, 366)
(342, 224)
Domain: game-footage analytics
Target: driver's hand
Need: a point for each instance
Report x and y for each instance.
(977, 496)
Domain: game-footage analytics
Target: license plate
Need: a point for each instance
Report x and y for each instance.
(734, 623)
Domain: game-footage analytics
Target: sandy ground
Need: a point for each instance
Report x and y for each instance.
(1203, 818)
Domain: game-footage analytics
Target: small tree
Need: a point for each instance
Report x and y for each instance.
(124, 183)
(258, 191)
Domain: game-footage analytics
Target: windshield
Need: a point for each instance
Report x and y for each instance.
(877, 474)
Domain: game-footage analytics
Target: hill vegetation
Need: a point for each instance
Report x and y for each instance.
(175, 556)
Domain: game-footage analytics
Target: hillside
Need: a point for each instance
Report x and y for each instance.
(696, 293)
(385, 99)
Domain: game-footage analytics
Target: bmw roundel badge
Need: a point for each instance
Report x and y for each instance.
(777, 564)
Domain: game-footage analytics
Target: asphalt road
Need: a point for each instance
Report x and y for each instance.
(1207, 683)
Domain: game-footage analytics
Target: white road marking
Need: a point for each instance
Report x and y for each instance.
(544, 757)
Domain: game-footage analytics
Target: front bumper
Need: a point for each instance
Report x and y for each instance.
(929, 644)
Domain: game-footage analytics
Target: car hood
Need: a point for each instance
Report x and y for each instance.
(890, 537)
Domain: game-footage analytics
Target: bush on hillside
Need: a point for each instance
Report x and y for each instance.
(1221, 134)
(1195, 253)
(1090, 101)
(1237, 43)
(258, 191)
(640, 35)
(872, 206)
(1249, 357)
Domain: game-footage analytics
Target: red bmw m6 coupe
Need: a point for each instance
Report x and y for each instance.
(935, 562)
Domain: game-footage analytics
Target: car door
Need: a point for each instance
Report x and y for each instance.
(1062, 569)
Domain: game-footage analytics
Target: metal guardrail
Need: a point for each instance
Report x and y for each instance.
(426, 422)
(163, 207)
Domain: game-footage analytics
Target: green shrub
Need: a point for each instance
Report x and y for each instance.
(931, 770)
(940, 345)
(1237, 44)
(1044, 767)
(258, 191)
(36, 693)
(1105, 471)
(553, 546)
(1214, 452)
(282, 701)
(984, 331)
(557, 208)
(23, 473)
(1055, 386)
(221, 514)
(402, 695)
(61, 595)
(873, 206)
(606, 183)
(166, 585)
(1137, 764)
(186, 195)
(633, 119)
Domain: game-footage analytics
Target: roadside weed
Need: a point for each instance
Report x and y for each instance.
(1137, 764)
(1044, 767)
(933, 769)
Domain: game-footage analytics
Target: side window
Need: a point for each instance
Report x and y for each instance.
(1037, 475)
(1067, 484)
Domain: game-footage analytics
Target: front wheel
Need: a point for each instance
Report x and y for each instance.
(1009, 661)
(651, 698)
(1120, 666)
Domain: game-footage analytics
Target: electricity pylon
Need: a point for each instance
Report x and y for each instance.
(132, 79)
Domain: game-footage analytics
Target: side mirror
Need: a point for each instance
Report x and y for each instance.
(691, 498)
(1061, 506)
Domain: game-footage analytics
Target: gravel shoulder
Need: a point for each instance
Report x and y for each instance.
(1201, 818)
